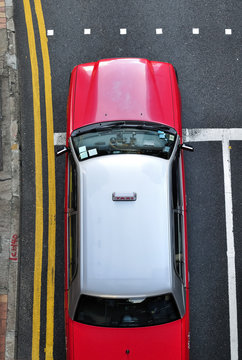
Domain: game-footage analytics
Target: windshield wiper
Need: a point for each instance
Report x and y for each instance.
(109, 125)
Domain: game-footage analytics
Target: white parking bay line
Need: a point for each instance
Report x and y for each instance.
(225, 136)
(188, 135)
(230, 250)
(212, 134)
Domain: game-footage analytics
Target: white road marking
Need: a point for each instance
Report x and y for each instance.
(87, 31)
(192, 135)
(50, 32)
(159, 31)
(228, 31)
(123, 31)
(212, 134)
(195, 31)
(230, 251)
(225, 136)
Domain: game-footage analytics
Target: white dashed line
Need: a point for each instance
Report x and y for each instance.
(228, 31)
(159, 31)
(50, 32)
(195, 31)
(123, 31)
(225, 135)
(87, 31)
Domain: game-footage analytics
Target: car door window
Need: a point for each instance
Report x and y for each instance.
(72, 218)
(177, 198)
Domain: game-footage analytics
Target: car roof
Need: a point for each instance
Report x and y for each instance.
(126, 246)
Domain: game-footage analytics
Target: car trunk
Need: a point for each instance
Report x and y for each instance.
(146, 343)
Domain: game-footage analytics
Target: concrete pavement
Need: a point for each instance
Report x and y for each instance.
(9, 182)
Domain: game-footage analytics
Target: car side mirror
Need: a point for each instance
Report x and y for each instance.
(186, 147)
(62, 151)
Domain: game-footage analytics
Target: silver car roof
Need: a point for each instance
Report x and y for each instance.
(126, 245)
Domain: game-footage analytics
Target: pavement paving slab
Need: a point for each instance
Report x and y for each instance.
(3, 323)
(9, 182)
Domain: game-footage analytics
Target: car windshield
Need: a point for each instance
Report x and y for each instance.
(133, 312)
(117, 139)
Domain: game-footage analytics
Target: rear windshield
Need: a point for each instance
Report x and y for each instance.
(131, 312)
(124, 140)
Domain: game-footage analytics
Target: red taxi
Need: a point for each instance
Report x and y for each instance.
(126, 265)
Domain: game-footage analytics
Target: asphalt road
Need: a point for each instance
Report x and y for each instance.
(210, 79)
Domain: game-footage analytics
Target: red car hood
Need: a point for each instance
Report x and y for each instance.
(147, 343)
(124, 89)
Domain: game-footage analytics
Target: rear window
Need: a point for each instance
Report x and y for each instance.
(123, 139)
(133, 312)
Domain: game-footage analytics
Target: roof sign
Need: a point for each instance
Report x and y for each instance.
(124, 197)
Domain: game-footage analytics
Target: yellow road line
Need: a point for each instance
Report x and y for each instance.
(51, 184)
(38, 183)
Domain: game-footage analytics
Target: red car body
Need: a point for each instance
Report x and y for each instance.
(125, 89)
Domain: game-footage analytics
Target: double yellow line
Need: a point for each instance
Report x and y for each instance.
(39, 184)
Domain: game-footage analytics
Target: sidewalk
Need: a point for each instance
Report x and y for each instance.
(9, 182)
